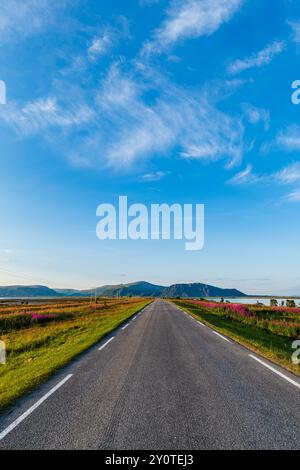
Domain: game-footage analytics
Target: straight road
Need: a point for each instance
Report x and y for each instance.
(161, 382)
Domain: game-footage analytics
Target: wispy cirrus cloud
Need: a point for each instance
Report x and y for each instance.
(287, 176)
(155, 176)
(97, 42)
(100, 45)
(263, 57)
(118, 124)
(191, 19)
(108, 37)
(289, 138)
(293, 196)
(243, 177)
(135, 113)
(21, 19)
(178, 118)
(295, 26)
(256, 115)
(45, 113)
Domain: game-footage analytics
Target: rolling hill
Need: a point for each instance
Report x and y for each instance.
(134, 289)
(28, 291)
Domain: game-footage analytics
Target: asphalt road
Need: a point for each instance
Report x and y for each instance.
(164, 382)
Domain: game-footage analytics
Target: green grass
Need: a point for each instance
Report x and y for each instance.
(275, 347)
(36, 352)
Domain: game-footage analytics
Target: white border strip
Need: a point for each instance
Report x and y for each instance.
(105, 344)
(275, 371)
(33, 407)
(221, 336)
(199, 323)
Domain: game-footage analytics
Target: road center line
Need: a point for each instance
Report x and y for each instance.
(33, 407)
(275, 371)
(221, 336)
(124, 327)
(105, 344)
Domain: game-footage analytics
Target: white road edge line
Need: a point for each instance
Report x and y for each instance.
(32, 408)
(124, 327)
(221, 336)
(202, 324)
(275, 371)
(105, 344)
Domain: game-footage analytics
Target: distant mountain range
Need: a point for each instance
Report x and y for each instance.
(134, 289)
(27, 291)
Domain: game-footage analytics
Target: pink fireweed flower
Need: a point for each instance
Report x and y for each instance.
(206, 304)
(40, 317)
(238, 309)
(286, 309)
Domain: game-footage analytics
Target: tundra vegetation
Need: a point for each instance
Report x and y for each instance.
(41, 338)
(270, 331)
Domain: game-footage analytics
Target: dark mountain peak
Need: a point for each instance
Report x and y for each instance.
(200, 290)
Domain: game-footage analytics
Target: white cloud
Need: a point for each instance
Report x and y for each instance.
(293, 196)
(177, 118)
(102, 40)
(256, 115)
(214, 135)
(191, 19)
(21, 19)
(289, 139)
(123, 125)
(263, 57)
(155, 176)
(244, 177)
(290, 174)
(109, 37)
(100, 45)
(133, 115)
(45, 113)
(295, 25)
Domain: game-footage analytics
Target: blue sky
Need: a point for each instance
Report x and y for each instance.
(163, 101)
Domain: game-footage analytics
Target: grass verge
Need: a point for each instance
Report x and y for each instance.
(274, 347)
(35, 353)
